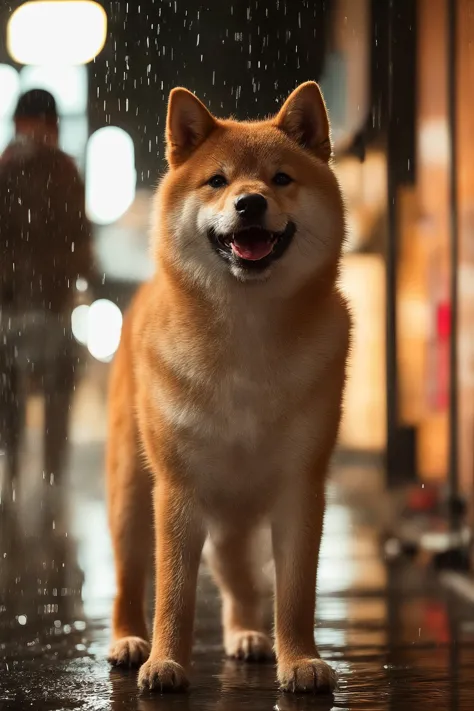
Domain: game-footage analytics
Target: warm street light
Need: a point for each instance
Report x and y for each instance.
(57, 32)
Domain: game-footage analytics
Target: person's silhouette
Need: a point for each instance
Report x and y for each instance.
(45, 245)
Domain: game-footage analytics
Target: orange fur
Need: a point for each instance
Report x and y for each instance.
(231, 381)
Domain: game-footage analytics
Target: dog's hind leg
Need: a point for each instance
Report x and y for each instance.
(237, 561)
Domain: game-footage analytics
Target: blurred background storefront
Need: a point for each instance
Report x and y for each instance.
(397, 76)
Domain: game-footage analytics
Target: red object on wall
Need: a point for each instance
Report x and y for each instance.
(443, 330)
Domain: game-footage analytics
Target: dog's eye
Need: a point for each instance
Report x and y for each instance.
(217, 181)
(282, 179)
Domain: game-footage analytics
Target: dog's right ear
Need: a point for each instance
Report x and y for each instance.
(188, 124)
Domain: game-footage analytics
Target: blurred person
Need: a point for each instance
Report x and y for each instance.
(45, 243)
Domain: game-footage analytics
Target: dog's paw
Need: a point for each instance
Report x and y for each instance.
(307, 676)
(249, 646)
(162, 675)
(129, 652)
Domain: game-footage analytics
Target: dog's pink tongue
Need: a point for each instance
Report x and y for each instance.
(252, 249)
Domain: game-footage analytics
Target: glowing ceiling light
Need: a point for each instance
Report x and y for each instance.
(110, 174)
(57, 31)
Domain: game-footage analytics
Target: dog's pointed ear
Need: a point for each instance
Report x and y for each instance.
(188, 124)
(303, 117)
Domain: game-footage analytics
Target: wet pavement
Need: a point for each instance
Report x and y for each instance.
(397, 639)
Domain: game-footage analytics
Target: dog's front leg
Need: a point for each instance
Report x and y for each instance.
(297, 530)
(179, 540)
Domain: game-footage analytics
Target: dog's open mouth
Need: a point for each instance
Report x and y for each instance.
(253, 247)
(253, 243)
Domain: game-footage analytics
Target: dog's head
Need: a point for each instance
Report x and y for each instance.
(251, 199)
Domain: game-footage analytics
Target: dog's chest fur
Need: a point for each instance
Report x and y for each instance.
(257, 418)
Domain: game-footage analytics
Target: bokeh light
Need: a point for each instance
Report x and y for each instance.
(98, 327)
(57, 32)
(110, 174)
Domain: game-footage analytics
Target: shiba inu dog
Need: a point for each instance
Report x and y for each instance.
(229, 378)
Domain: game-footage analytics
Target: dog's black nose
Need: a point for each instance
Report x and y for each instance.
(251, 206)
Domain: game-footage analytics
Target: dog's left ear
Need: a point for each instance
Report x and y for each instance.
(188, 124)
(303, 117)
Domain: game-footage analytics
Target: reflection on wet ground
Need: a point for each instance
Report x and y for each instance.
(397, 640)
